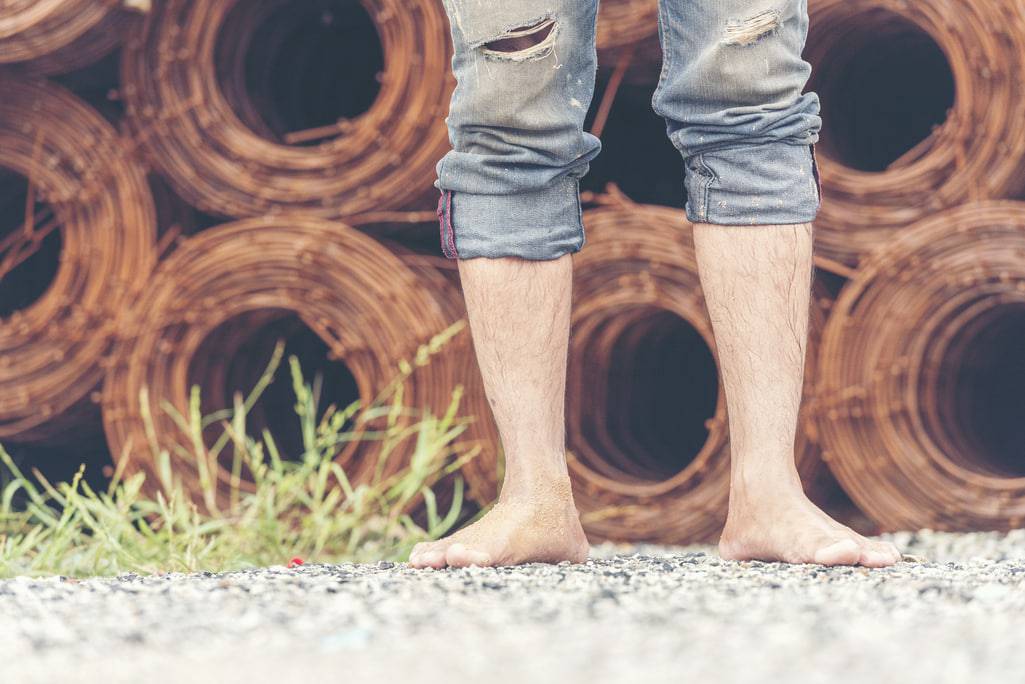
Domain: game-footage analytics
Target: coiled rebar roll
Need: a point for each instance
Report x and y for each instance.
(50, 36)
(639, 270)
(370, 311)
(53, 351)
(626, 22)
(196, 134)
(877, 59)
(922, 365)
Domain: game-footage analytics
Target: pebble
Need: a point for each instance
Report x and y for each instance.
(953, 613)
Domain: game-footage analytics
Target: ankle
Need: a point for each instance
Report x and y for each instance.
(538, 487)
(753, 485)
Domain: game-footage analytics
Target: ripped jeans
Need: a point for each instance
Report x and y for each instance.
(730, 92)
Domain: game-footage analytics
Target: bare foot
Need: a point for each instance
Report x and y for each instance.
(542, 526)
(787, 527)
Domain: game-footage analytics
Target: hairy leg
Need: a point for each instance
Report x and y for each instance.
(757, 282)
(519, 313)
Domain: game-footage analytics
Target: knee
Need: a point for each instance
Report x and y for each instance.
(509, 76)
(488, 36)
(750, 57)
(765, 74)
(744, 86)
(754, 64)
(524, 78)
(524, 66)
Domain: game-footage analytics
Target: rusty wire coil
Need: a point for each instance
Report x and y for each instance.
(626, 22)
(439, 278)
(876, 63)
(175, 217)
(51, 36)
(196, 133)
(233, 287)
(920, 405)
(81, 184)
(636, 289)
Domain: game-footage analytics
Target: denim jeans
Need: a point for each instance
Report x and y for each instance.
(730, 92)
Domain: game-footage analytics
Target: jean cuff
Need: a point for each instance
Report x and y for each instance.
(540, 225)
(765, 184)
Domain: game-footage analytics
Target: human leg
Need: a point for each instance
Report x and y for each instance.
(510, 215)
(731, 94)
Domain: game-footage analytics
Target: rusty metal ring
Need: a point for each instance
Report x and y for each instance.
(44, 37)
(888, 405)
(640, 263)
(626, 22)
(370, 310)
(382, 159)
(52, 353)
(977, 153)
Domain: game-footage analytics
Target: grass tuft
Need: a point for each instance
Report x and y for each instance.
(263, 510)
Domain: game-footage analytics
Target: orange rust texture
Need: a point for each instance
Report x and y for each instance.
(186, 227)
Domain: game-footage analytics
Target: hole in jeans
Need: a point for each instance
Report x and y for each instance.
(754, 28)
(884, 88)
(522, 40)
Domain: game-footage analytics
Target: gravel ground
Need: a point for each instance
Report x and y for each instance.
(956, 613)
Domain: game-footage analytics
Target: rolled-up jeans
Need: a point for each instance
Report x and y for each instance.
(730, 91)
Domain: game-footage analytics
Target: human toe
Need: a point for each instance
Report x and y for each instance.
(842, 552)
(461, 556)
(427, 555)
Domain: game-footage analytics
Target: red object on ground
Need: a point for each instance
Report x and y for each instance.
(295, 562)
